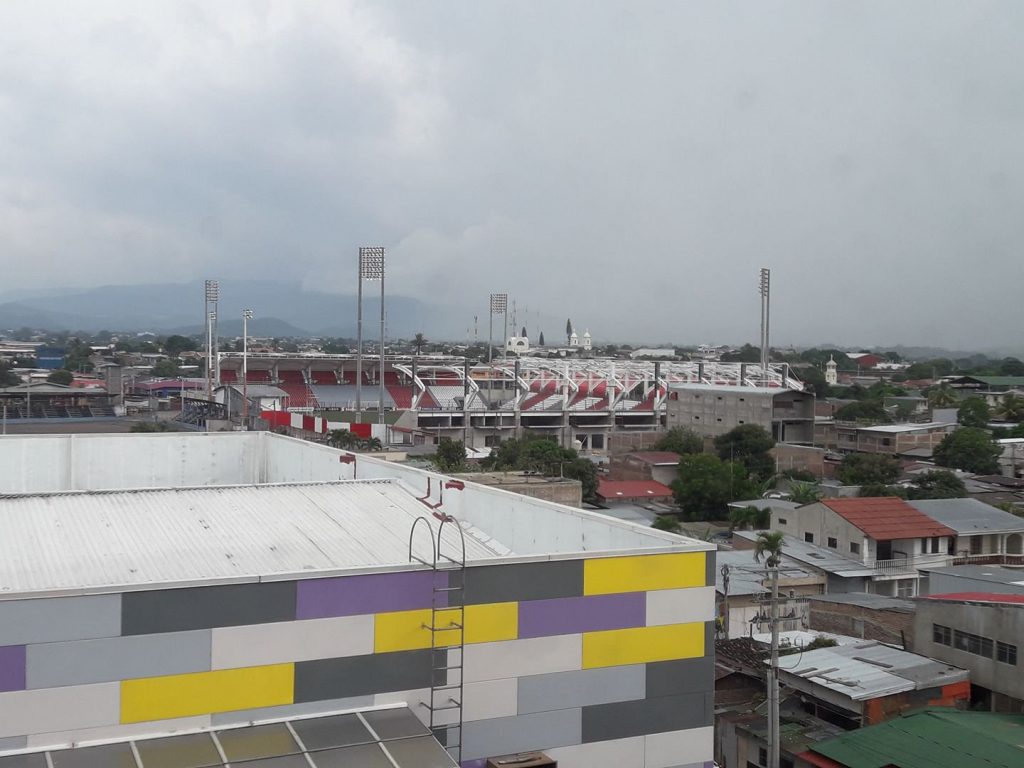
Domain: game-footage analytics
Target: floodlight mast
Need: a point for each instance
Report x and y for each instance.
(499, 306)
(212, 294)
(246, 317)
(765, 290)
(371, 267)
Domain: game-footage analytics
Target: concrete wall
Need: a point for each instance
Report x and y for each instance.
(604, 661)
(886, 626)
(1004, 623)
(715, 411)
(821, 523)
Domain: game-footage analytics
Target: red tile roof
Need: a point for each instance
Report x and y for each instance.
(656, 457)
(885, 518)
(632, 489)
(979, 597)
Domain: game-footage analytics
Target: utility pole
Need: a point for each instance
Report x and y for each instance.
(765, 288)
(773, 674)
(246, 317)
(725, 601)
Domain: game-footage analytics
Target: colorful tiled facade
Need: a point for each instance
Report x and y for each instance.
(598, 661)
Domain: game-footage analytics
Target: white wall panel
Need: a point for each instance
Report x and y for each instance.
(517, 658)
(60, 709)
(680, 606)
(255, 645)
(620, 753)
(490, 698)
(679, 747)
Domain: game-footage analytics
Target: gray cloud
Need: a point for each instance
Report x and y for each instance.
(628, 164)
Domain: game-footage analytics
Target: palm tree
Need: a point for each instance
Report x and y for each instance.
(804, 493)
(942, 396)
(769, 546)
(418, 341)
(1011, 407)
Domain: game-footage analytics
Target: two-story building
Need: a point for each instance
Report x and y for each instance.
(981, 632)
(891, 439)
(981, 529)
(884, 533)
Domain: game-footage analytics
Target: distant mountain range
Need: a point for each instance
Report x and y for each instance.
(281, 309)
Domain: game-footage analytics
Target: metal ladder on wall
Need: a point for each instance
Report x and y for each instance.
(447, 633)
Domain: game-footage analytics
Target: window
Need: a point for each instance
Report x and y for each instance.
(782, 521)
(935, 545)
(833, 543)
(971, 643)
(1006, 653)
(942, 635)
(809, 538)
(855, 547)
(762, 756)
(905, 588)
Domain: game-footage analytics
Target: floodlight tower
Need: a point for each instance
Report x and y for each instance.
(246, 317)
(499, 306)
(765, 288)
(371, 267)
(212, 374)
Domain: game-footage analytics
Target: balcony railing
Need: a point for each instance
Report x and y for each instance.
(910, 565)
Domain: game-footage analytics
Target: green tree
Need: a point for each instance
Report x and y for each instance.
(1011, 366)
(540, 339)
(871, 490)
(931, 369)
(544, 455)
(974, 412)
(942, 396)
(937, 484)
(864, 410)
(668, 523)
(969, 449)
(165, 369)
(706, 485)
(680, 440)
(748, 444)
(568, 329)
(150, 426)
(418, 341)
(868, 469)
(451, 455)
(8, 378)
(1011, 408)
(804, 493)
(175, 344)
(61, 376)
(768, 546)
(743, 518)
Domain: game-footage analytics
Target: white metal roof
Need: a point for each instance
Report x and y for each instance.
(898, 428)
(96, 540)
(966, 516)
(868, 670)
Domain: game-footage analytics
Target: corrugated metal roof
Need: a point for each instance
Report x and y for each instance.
(867, 670)
(934, 738)
(979, 597)
(969, 515)
(816, 557)
(632, 489)
(93, 540)
(887, 518)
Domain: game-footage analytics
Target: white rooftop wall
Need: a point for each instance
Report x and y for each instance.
(529, 527)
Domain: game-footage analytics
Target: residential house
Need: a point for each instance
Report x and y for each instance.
(742, 584)
(982, 632)
(913, 440)
(884, 533)
(842, 574)
(661, 466)
(981, 529)
(981, 577)
(633, 491)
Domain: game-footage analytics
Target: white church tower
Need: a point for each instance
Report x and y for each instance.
(831, 372)
(587, 341)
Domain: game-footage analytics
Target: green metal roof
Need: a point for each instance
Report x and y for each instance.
(932, 738)
(999, 381)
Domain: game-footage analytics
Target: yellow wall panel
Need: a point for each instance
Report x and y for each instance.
(405, 630)
(643, 644)
(200, 693)
(641, 573)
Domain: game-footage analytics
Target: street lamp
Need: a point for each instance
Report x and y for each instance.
(371, 267)
(246, 317)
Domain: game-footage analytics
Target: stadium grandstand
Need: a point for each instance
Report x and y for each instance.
(575, 400)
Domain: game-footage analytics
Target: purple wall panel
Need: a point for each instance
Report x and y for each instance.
(372, 593)
(480, 763)
(12, 668)
(569, 615)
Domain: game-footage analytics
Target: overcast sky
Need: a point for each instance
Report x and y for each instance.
(631, 164)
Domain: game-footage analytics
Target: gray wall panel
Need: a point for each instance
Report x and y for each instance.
(709, 568)
(524, 581)
(53, 619)
(637, 718)
(51, 665)
(13, 742)
(671, 678)
(562, 690)
(231, 605)
(506, 735)
(362, 675)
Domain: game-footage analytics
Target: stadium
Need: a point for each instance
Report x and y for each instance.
(581, 402)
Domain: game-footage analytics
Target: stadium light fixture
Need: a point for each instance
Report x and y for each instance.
(246, 317)
(371, 267)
